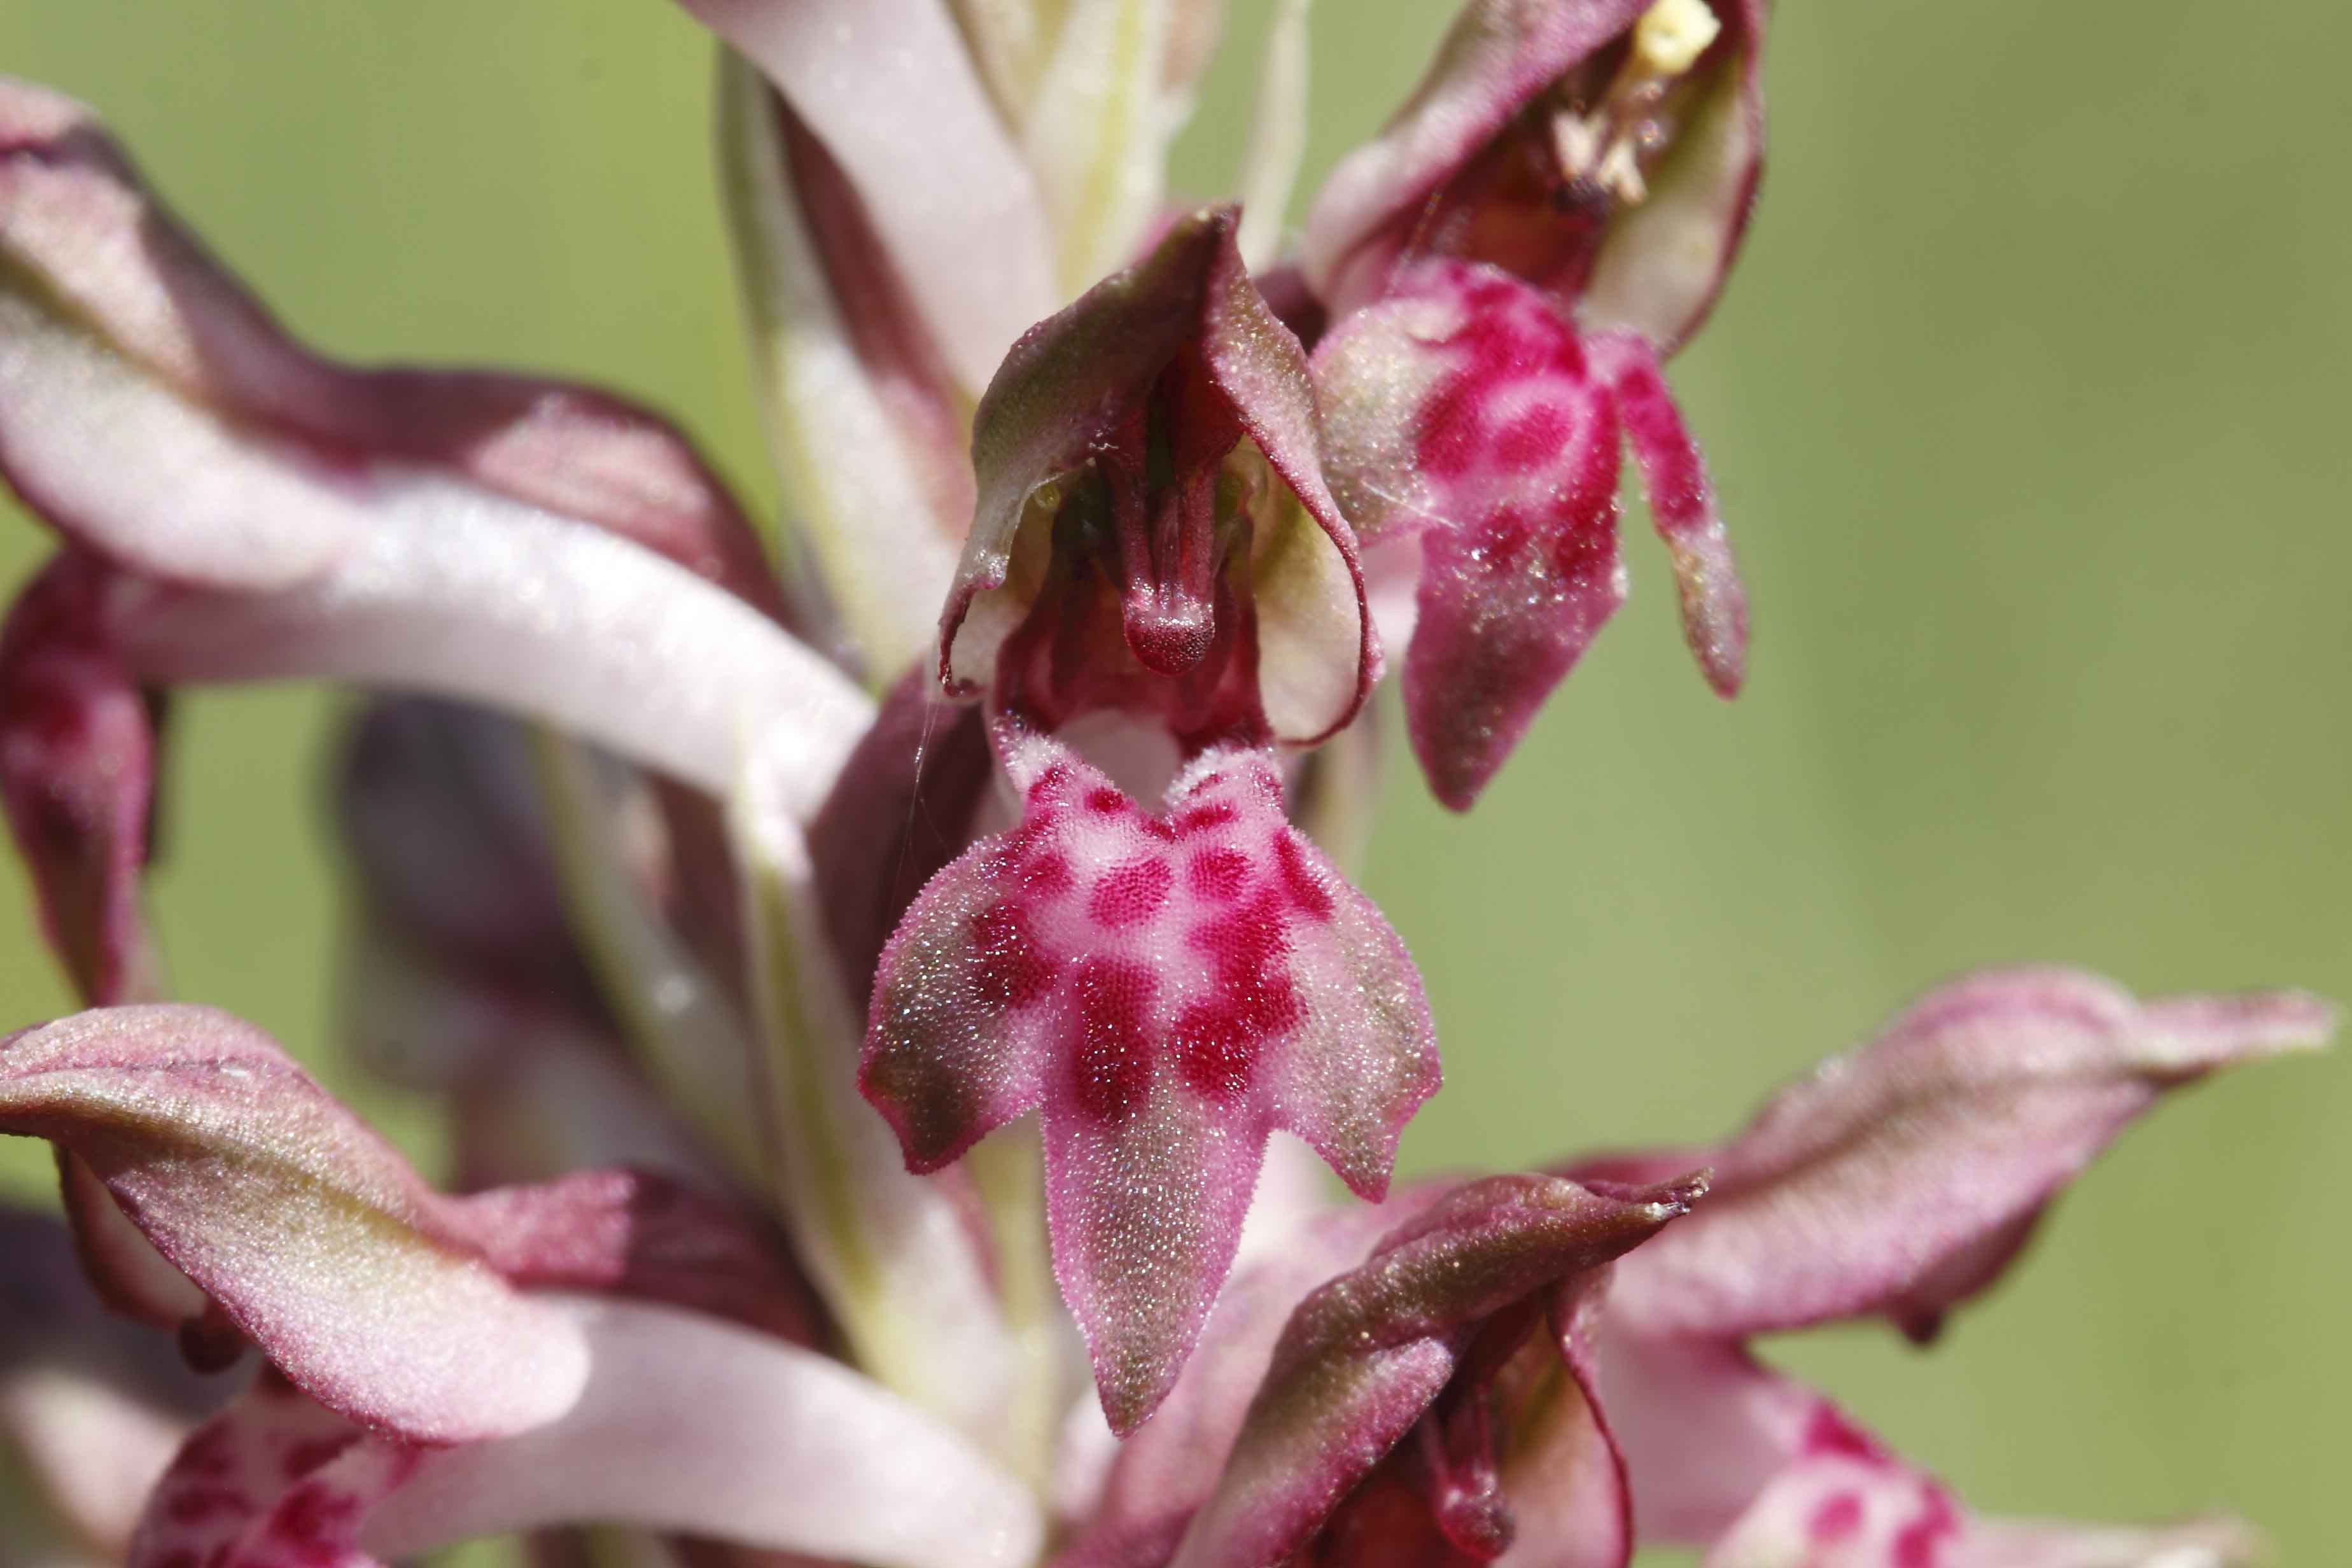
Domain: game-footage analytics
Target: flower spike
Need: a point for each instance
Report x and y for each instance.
(1171, 989)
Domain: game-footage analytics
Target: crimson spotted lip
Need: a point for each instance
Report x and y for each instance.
(1168, 989)
(1504, 267)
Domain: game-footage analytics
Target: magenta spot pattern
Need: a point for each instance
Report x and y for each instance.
(1502, 464)
(276, 1481)
(1845, 1501)
(1167, 989)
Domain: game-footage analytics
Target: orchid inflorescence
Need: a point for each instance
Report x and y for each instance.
(865, 1034)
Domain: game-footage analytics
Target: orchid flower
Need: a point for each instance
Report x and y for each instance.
(1503, 269)
(865, 993)
(1484, 1386)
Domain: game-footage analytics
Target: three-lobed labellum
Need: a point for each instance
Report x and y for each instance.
(1169, 989)
(1471, 421)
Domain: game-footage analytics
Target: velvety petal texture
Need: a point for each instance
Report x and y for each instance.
(315, 1237)
(1474, 435)
(1234, 582)
(1164, 1472)
(1855, 1190)
(1465, 424)
(1168, 988)
(1365, 1357)
(1682, 508)
(527, 544)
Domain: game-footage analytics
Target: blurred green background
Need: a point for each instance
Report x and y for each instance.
(2026, 405)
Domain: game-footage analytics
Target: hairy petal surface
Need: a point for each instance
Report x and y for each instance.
(1365, 1357)
(1465, 422)
(1169, 989)
(315, 1239)
(1898, 1179)
(1682, 507)
(1165, 1471)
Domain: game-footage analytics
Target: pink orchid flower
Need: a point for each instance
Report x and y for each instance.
(1503, 269)
(864, 1112)
(1462, 1375)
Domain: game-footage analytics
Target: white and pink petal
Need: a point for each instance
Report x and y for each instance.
(523, 543)
(1898, 1179)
